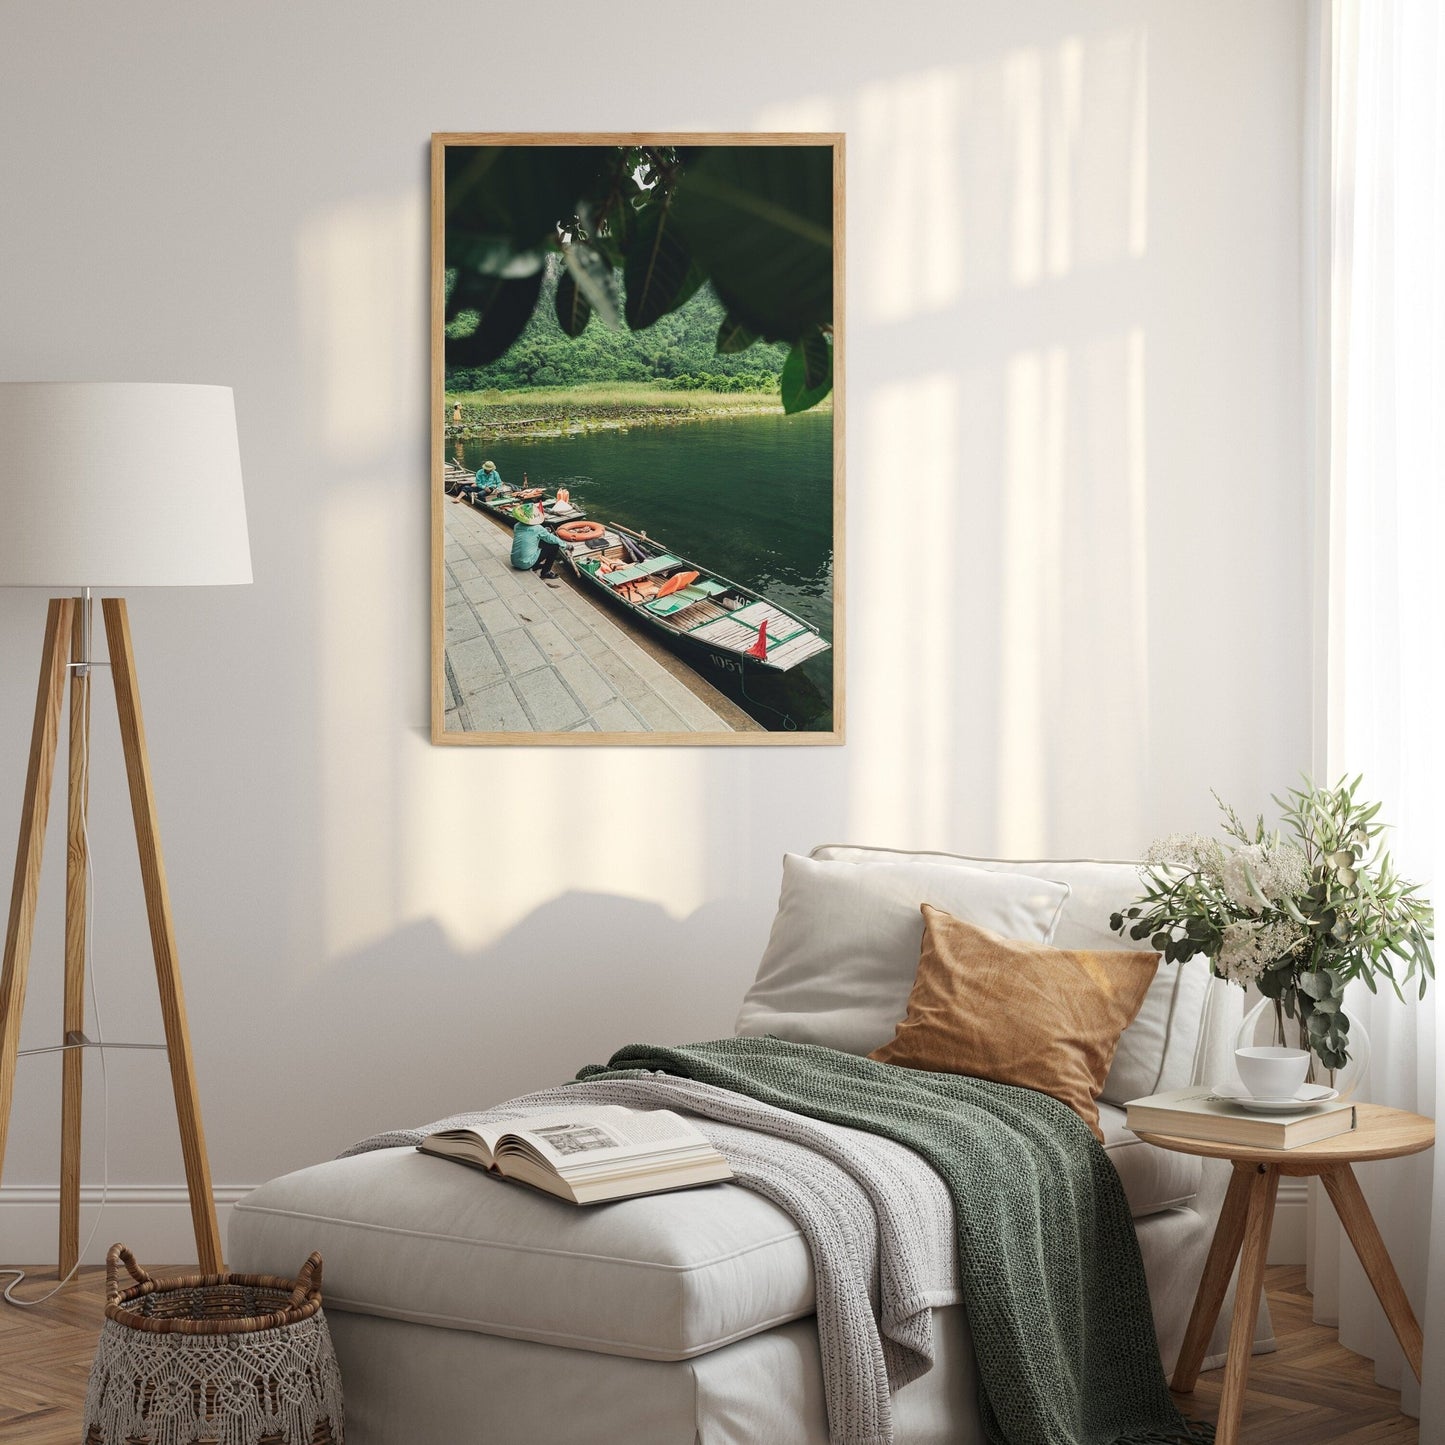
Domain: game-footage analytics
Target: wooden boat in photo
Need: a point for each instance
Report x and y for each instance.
(555, 510)
(710, 622)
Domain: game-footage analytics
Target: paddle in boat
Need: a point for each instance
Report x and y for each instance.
(709, 621)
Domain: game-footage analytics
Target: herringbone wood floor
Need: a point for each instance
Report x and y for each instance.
(1311, 1392)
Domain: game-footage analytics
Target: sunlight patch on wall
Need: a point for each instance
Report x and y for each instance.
(489, 835)
(1073, 702)
(361, 299)
(903, 613)
(358, 578)
(1010, 172)
(1030, 620)
(913, 157)
(1137, 553)
(363, 352)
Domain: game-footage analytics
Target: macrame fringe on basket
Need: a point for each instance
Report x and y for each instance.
(227, 1359)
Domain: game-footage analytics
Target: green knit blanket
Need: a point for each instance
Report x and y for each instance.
(1050, 1269)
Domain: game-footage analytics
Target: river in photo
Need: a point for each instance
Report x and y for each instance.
(749, 498)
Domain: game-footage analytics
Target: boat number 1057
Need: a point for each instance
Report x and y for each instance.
(728, 664)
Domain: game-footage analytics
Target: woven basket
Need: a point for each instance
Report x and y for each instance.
(233, 1359)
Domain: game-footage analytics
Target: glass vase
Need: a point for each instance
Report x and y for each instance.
(1263, 1025)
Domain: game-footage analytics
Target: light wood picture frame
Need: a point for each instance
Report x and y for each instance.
(637, 342)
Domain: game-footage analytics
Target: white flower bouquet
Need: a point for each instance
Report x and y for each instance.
(1299, 918)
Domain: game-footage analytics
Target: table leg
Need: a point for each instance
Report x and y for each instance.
(1259, 1218)
(1350, 1205)
(1214, 1282)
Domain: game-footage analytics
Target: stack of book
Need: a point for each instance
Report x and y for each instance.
(1200, 1113)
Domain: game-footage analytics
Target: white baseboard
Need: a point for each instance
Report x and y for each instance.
(1287, 1241)
(154, 1220)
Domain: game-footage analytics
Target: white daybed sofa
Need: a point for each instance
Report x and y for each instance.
(467, 1312)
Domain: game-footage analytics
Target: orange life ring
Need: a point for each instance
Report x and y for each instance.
(580, 531)
(677, 582)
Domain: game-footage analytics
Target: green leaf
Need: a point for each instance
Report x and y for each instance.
(733, 336)
(1315, 985)
(817, 360)
(659, 273)
(501, 309)
(574, 311)
(797, 394)
(515, 195)
(759, 220)
(596, 281)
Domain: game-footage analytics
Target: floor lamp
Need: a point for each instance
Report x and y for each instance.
(107, 486)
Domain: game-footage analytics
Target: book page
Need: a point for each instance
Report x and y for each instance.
(490, 1133)
(602, 1134)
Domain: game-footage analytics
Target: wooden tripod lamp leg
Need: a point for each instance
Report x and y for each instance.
(163, 939)
(34, 812)
(76, 908)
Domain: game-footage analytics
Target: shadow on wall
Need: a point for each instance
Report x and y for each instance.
(446, 1028)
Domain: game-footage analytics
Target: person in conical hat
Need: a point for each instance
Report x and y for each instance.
(534, 548)
(488, 479)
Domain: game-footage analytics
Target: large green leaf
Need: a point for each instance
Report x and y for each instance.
(759, 221)
(659, 274)
(799, 395)
(502, 309)
(733, 336)
(515, 195)
(595, 280)
(574, 311)
(817, 360)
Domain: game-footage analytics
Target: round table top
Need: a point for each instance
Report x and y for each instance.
(1379, 1133)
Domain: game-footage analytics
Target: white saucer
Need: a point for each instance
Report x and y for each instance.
(1308, 1096)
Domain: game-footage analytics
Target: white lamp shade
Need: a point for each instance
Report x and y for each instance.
(120, 484)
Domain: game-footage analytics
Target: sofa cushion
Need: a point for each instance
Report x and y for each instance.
(412, 1237)
(664, 1277)
(845, 942)
(1019, 1012)
(1159, 1049)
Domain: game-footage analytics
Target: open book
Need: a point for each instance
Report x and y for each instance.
(588, 1154)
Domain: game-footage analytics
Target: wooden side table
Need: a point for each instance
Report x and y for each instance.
(1243, 1234)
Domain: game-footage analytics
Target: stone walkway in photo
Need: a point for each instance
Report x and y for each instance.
(524, 657)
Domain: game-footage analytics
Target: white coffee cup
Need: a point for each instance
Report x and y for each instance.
(1269, 1072)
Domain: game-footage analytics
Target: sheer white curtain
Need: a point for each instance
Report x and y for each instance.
(1384, 701)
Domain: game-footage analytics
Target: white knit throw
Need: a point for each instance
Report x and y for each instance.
(174, 1389)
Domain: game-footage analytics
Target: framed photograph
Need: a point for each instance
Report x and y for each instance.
(637, 448)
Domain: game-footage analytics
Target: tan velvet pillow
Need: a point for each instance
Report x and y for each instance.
(1018, 1013)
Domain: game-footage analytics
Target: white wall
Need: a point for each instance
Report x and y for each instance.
(1077, 516)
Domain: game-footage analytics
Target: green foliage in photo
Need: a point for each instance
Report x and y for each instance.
(708, 267)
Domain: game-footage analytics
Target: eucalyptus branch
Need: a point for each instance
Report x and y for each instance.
(1298, 916)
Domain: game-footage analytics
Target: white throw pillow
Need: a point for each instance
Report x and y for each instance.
(1159, 1050)
(844, 948)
